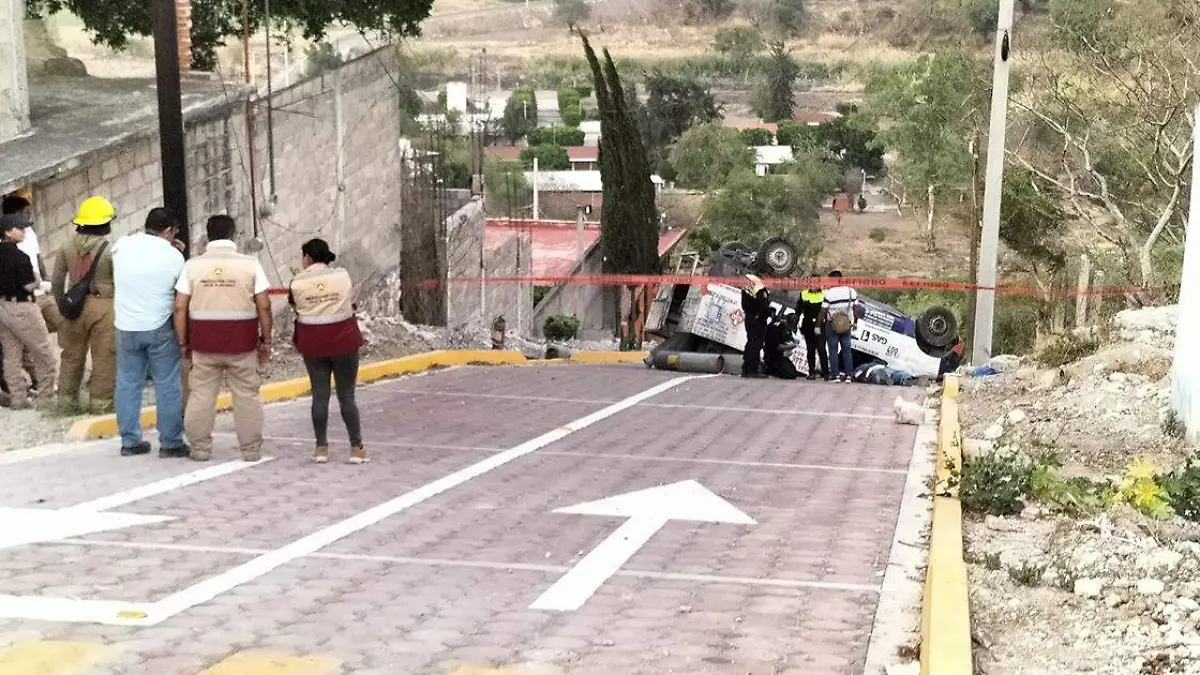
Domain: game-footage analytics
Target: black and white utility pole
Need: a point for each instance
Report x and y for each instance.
(989, 242)
(170, 115)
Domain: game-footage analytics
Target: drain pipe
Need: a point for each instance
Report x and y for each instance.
(686, 362)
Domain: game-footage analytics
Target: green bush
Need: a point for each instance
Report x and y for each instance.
(757, 136)
(322, 58)
(550, 157)
(571, 12)
(570, 106)
(564, 136)
(1183, 489)
(996, 483)
(1065, 349)
(561, 327)
(540, 293)
(877, 234)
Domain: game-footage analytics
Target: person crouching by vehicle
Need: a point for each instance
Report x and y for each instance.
(778, 345)
(756, 305)
(22, 328)
(839, 313)
(808, 307)
(328, 338)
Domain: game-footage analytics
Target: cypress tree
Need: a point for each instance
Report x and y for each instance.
(629, 221)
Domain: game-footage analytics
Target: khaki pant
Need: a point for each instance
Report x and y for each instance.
(24, 339)
(95, 332)
(240, 373)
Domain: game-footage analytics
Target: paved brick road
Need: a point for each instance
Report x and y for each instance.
(443, 582)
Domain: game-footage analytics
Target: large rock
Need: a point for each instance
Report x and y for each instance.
(1160, 559)
(1089, 588)
(1150, 587)
(64, 66)
(993, 432)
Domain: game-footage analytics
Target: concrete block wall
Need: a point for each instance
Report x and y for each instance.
(14, 83)
(585, 301)
(470, 302)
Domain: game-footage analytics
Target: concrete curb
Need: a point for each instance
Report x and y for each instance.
(946, 615)
(105, 426)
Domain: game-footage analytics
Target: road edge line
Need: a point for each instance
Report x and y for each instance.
(897, 621)
(105, 426)
(946, 613)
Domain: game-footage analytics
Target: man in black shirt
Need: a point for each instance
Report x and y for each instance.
(756, 306)
(22, 328)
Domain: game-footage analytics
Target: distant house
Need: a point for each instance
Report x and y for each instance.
(813, 119)
(584, 157)
(767, 157)
(561, 192)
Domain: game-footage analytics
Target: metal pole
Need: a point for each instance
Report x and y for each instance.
(989, 242)
(536, 211)
(170, 116)
(340, 128)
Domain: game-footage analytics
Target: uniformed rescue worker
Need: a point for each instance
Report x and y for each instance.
(23, 333)
(328, 338)
(808, 306)
(223, 317)
(93, 330)
(756, 306)
(778, 345)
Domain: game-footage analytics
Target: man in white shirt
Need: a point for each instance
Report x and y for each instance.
(839, 314)
(146, 267)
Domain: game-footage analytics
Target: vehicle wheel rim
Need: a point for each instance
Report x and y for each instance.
(779, 258)
(937, 326)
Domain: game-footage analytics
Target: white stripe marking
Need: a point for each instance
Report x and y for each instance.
(681, 406)
(99, 611)
(166, 485)
(489, 565)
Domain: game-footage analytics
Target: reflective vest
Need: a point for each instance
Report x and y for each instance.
(325, 321)
(812, 297)
(222, 315)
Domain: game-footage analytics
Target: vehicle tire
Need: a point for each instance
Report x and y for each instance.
(777, 257)
(937, 328)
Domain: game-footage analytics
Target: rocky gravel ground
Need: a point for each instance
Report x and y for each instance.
(1114, 592)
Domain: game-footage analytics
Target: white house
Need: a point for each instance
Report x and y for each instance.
(768, 156)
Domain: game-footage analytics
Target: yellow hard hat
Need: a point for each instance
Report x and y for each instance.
(95, 211)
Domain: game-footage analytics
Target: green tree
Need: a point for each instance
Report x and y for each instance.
(789, 15)
(933, 110)
(564, 136)
(707, 153)
(673, 105)
(756, 136)
(1111, 121)
(797, 134)
(571, 12)
(751, 209)
(776, 98)
(516, 122)
(506, 190)
(629, 221)
(570, 106)
(111, 22)
(853, 139)
(739, 44)
(983, 15)
(549, 157)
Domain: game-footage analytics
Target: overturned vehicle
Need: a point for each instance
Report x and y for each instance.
(703, 329)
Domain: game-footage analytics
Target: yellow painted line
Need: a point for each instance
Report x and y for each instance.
(267, 663)
(51, 657)
(945, 610)
(105, 426)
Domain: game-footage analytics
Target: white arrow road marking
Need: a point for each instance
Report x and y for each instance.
(151, 613)
(21, 525)
(647, 511)
(31, 526)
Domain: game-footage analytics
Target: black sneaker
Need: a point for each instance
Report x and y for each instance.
(182, 452)
(139, 449)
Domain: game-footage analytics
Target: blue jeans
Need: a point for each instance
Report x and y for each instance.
(155, 352)
(836, 342)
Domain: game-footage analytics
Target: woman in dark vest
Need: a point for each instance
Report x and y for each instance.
(328, 338)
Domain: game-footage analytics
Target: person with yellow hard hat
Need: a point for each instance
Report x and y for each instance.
(756, 306)
(83, 286)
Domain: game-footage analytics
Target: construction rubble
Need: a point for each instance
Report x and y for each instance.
(1110, 591)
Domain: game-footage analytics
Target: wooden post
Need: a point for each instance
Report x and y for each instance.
(1081, 299)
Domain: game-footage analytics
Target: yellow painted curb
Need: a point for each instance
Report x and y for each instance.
(945, 611)
(51, 657)
(105, 426)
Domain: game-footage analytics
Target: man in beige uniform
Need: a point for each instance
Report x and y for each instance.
(223, 317)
